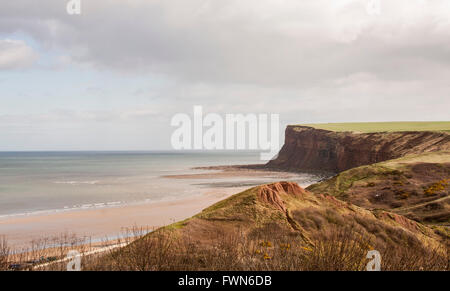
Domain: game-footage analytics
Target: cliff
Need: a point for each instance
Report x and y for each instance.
(308, 148)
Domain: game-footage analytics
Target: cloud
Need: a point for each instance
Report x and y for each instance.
(15, 54)
(310, 61)
(271, 43)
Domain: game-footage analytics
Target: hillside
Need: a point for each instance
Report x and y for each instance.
(416, 186)
(281, 226)
(307, 148)
(295, 209)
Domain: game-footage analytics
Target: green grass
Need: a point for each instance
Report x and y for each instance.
(366, 127)
(430, 157)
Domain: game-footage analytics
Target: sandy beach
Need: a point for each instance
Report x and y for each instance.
(111, 222)
(107, 222)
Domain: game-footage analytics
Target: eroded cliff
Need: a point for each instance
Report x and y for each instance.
(307, 148)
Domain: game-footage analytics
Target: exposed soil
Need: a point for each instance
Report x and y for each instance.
(307, 148)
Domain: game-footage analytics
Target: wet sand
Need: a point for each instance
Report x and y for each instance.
(109, 223)
(220, 172)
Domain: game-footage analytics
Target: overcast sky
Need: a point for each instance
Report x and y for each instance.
(112, 77)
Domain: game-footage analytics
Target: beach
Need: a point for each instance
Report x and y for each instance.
(108, 223)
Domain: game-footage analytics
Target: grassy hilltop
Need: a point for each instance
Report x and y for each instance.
(367, 127)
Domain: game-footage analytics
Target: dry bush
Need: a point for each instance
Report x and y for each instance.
(415, 258)
(343, 249)
(268, 248)
(4, 253)
(140, 252)
(44, 253)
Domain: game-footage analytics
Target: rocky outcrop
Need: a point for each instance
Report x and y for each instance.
(270, 193)
(307, 148)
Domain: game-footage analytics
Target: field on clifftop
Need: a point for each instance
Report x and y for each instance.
(367, 127)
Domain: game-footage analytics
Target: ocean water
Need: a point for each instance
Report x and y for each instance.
(35, 182)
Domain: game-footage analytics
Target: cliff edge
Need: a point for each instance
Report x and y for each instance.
(308, 148)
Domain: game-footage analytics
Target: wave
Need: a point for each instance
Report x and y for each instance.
(67, 208)
(94, 206)
(77, 182)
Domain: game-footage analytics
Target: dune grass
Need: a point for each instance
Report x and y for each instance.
(367, 127)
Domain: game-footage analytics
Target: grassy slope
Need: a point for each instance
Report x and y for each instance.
(367, 127)
(309, 216)
(415, 186)
(287, 229)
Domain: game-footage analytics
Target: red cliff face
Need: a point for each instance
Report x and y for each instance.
(270, 193)
(307, 148)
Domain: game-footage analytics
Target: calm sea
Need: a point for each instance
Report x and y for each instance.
(34, 182)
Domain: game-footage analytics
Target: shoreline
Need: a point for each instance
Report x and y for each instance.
(109, 221)
(105, 223)
(211, 172)
(91, 206)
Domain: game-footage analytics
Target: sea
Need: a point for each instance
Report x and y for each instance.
(46, 182)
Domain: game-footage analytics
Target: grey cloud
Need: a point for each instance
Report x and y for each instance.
(254, 42)
(310, 61)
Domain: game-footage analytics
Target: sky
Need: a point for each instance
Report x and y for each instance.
(112, 77)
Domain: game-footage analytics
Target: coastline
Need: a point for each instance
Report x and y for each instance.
(106, 223)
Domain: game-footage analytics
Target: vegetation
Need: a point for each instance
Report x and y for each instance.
(4, 253)
(266, 249)
(415, 186)
(436, 187)
(366, 127)
(42, 254)
(281, 227)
